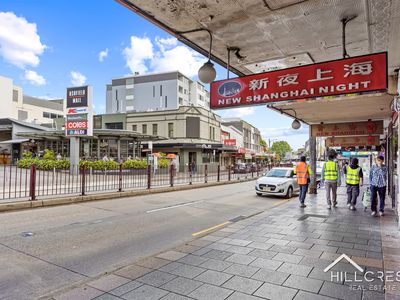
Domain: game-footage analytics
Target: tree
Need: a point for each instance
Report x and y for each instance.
(281, 148)
(263, 142)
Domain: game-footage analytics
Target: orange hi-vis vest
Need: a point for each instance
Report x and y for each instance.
(302, 173)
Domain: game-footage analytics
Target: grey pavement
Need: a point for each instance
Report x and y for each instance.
(278, 254)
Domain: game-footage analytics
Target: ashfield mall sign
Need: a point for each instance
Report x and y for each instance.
(346, 76)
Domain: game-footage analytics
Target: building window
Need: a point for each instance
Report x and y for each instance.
(134, 127)
(166, 102)
(155, 129)
(180, 89)
(180, 101)
(160, 90)
(185, 91)
(210, 132)
(201, 98)
(144, 129)
(213, 133)
(53, 116)
(22, 115)
(46, 115)
(170, 130)
(115, 125)
(15, 95)
(154, 91)
(116, 99)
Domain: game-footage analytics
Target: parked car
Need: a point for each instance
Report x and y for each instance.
(241, 168)
(278, 182)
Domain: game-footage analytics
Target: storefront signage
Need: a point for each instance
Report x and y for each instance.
(230, 142)
(79, 111)
(359, 153)
(345, 76)
(347, 129)
(353, 141)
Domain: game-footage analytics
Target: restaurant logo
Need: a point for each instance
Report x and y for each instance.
(229, 89)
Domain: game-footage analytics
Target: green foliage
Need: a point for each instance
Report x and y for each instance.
(263, 142)
(135, 164)
(49, 154)
(100, 165)
(163, 163)
(44, 164)
(27, 154)
(281, 148)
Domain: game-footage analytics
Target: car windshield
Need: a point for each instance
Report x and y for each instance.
(278, 173)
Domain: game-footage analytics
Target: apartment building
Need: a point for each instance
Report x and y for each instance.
(16, 105)
(152, 92)
(193, 133)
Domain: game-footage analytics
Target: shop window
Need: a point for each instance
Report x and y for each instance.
(46, 115)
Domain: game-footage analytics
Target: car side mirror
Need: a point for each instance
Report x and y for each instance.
(294, 176)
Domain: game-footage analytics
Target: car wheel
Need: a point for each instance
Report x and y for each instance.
(289, 193)
(259, 194)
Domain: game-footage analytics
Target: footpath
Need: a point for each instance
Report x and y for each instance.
(284, 253)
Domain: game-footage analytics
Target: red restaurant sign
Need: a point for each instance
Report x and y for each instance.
(343, 129)
(230, 142)
(351, 75)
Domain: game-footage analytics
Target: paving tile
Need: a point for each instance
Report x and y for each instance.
(303, 283)
(271, 276)
(239, 242)
(152, 262)
(214, 264)
(263, 253)
(207, 292)
(145, 292)
(132, 272)
(187, 248)
(339, 291)
(301, 295)
(277, 242)
(242, 284)
(83, 292)
(108, 283)
(308, 253)
(211, 238)
(341, 244)
(241, 270)
(123, 289)
(170, 267)
(295, 259)
(371, 295)
(266, 263)
(218, 246)
(326, 248)
(283, 249)
(272, 291)
(299, 245)
(351, 252)
(200, 243)
(217, 254)
(187, 271)
(317, 273)
(107, 297)
(300, 270)
(193, 260)
(240, 259)
(315, 262)
(171, 255)
(260, 245)
(156, 278)
(173, 296)
(181, 285)
(213, 277)
(239, 249)
(241, 296)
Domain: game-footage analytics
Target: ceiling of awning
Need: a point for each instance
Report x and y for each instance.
(293, 31)
(340, 109)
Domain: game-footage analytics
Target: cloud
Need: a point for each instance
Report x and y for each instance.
(34, 78)
(239, 112)
(136, 55)
(103, 54)
(161, 55)
(282, 132)
(77, 78)
(20, 43)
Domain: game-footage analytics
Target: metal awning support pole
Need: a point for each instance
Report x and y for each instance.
(313, 163)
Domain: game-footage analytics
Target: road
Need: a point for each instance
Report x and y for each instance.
(75, 242)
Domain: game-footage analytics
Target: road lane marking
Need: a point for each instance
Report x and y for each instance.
(173, 206)
(211, 228)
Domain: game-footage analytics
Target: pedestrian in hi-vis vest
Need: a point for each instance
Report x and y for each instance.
(332, 179)
(303, 172)
(354, 179)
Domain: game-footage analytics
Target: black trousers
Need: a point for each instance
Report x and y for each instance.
(381, 191)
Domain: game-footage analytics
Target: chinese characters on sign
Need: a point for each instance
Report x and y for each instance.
(346, 129)
(352, 141)
(350, 75)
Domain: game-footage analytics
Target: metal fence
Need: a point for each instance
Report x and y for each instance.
(20, 183)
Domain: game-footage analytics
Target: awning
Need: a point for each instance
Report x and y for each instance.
(15, 141)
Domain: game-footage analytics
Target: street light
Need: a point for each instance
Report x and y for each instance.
(296, 124)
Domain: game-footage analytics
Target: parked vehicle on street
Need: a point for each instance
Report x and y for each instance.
(278, 182)
(241, 168)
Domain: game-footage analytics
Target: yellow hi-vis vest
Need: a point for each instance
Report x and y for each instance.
(331, 171)
(353, 176)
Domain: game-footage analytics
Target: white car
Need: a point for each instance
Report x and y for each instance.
(278, 182)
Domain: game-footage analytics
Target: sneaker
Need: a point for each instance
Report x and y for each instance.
(381, 213)
(348, 205)
(303, 205)
(352, 207)
(373, 213)
(334, 204)
(329, 206)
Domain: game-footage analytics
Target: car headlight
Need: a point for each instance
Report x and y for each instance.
(281, 184)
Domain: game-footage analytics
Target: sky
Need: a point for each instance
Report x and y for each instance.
(47, 46)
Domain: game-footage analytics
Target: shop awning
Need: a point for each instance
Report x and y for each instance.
(14, 141)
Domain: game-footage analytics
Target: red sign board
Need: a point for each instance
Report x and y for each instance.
(346, 76)
(353, 141)
(230, 142)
